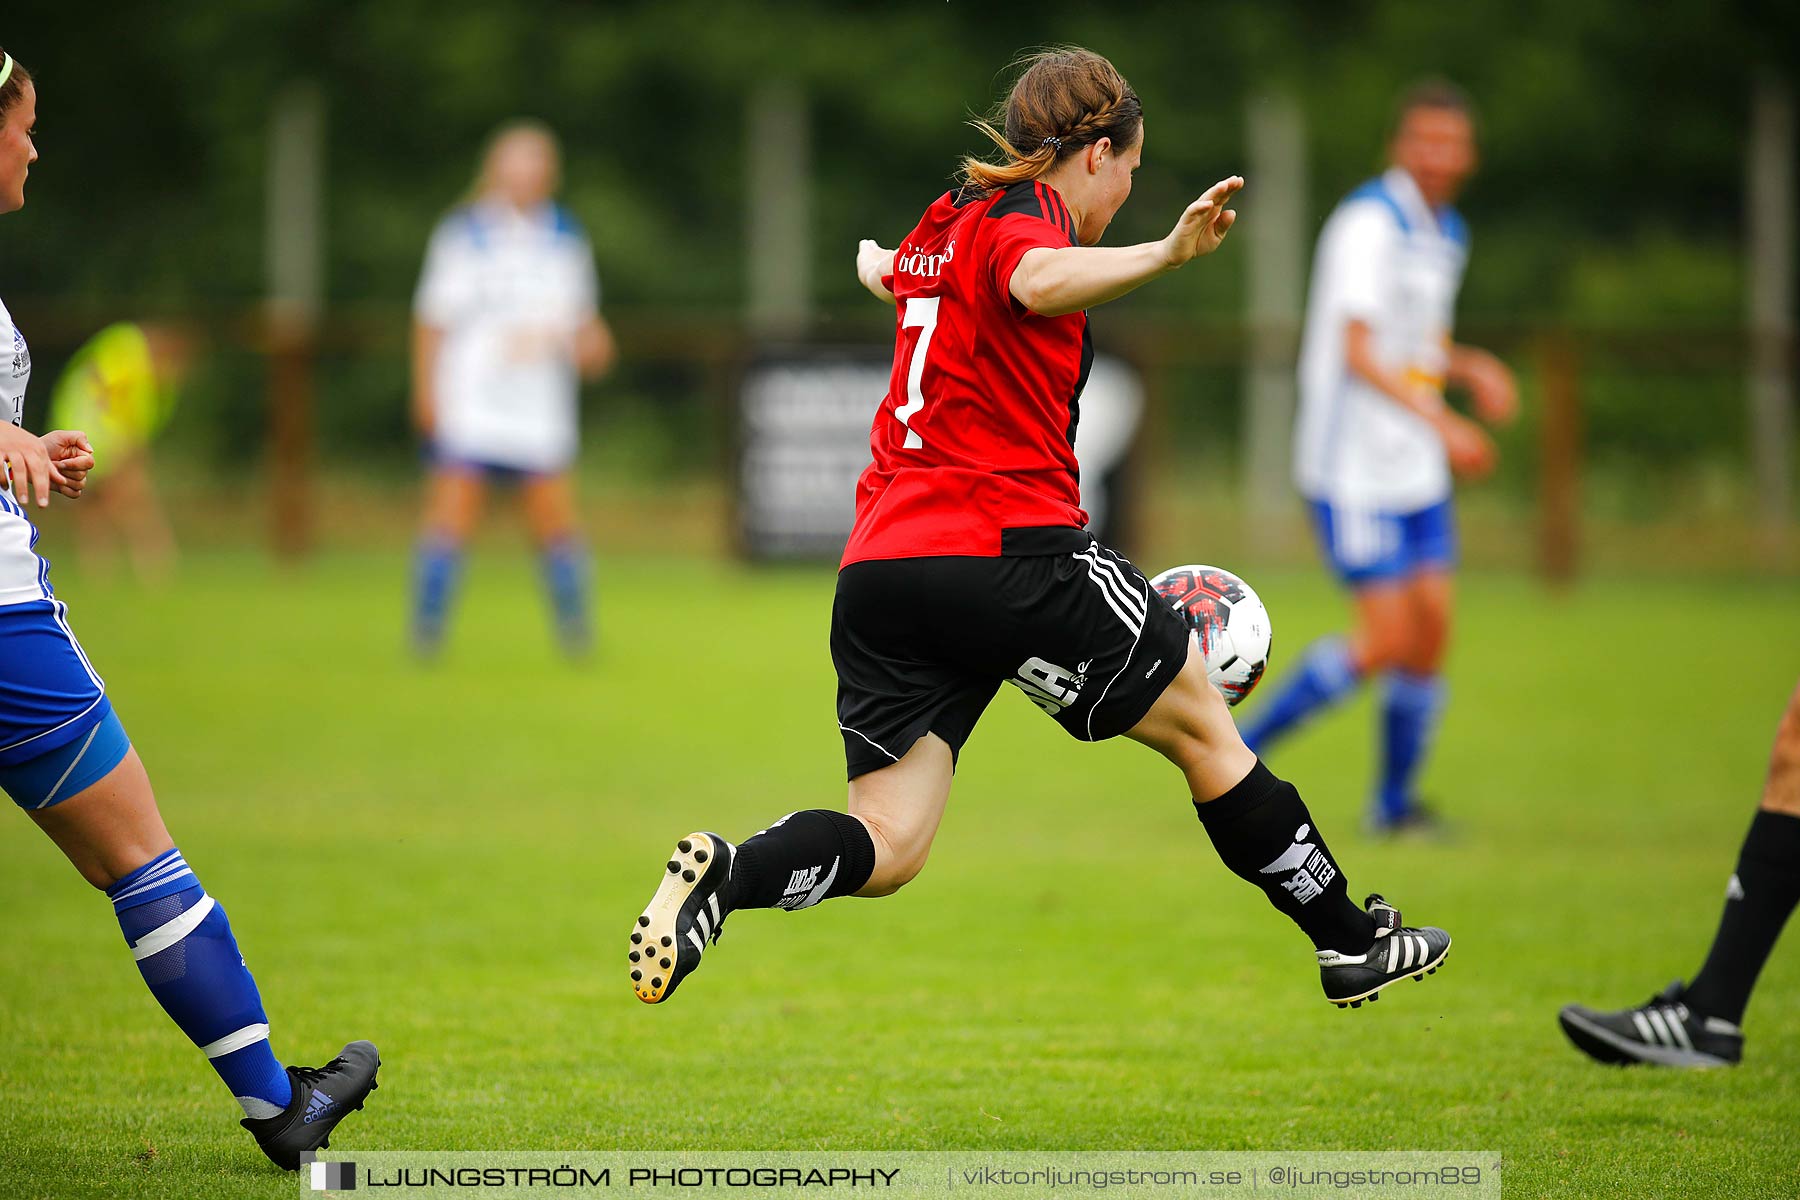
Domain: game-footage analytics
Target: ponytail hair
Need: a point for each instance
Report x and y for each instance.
(13, 90)
(1066, 99)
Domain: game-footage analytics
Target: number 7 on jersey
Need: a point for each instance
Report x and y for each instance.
(921, 314)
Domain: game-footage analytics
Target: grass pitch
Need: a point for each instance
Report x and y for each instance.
(446, 861)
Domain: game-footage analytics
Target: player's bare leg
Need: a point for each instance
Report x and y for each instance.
(454, 498)
(1265, 835)
(114, 835)
(902, 806)
(551, 517)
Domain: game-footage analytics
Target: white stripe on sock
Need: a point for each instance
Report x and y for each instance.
(249, 1035)
(171, 877)
(173, 869)
(166, 935)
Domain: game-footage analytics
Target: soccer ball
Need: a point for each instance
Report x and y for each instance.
(1228, 619)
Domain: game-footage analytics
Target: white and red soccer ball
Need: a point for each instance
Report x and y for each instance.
(1227, 619)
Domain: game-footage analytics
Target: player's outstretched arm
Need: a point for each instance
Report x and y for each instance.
(1053, 282)
(873, 264)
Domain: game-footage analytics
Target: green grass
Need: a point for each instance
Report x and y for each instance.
(446, 861)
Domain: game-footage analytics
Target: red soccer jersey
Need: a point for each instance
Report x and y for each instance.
(974, 444)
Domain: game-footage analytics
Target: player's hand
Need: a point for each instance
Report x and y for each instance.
(1492, 389)
(1471, 451)
(870, 259)
(71, 458)
(1204, 225)
(28, 462)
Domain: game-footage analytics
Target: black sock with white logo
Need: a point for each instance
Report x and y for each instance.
(800, 860)
(1759, 898)
(1263, 832)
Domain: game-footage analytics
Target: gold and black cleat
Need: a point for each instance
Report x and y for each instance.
(685, 914)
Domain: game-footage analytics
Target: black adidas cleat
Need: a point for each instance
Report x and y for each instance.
(685, 914)
(323, 1096)
(1397, 952)
(1663, 1031)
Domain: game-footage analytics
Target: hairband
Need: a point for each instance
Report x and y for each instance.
(5, 67)
(1049, 141)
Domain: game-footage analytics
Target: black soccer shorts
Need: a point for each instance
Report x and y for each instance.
(922, 644)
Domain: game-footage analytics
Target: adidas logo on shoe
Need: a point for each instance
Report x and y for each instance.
(320, 1105)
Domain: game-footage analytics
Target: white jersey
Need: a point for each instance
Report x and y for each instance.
(23, 575)
(508, 290)
(1385, 258)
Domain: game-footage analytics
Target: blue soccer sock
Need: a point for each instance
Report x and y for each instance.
(186, 954)
(436, 569)
(568, 574)
(1409, 716)
(1325, 675)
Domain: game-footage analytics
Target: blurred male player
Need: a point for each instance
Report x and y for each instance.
(1699, 1025)
(1376, 445)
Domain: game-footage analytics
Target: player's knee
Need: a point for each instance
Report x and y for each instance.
(1200, 723)
(1381, 646)
(892, 874)
(900, 854)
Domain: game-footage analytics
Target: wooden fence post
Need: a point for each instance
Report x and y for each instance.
(1559, 483)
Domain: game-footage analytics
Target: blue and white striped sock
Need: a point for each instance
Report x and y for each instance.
(186, 954)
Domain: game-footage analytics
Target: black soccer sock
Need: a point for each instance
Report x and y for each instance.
(800, 860)
(1757, 902)
(1263, 832)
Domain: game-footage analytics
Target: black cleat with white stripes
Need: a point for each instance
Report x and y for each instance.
(685, 914)
(1396, 953)
(1663, 1031)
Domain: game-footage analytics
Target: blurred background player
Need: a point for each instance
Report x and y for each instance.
(1376, 445)
(120, 389)
(506, 323)
(66, 760)
(970, 564)
(1700, 1024)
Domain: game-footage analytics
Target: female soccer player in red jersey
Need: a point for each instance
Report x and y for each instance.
(969, 564)
(66, 760)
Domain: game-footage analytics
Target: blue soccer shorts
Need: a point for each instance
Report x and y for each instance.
(58, 733)
(1369, 545)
